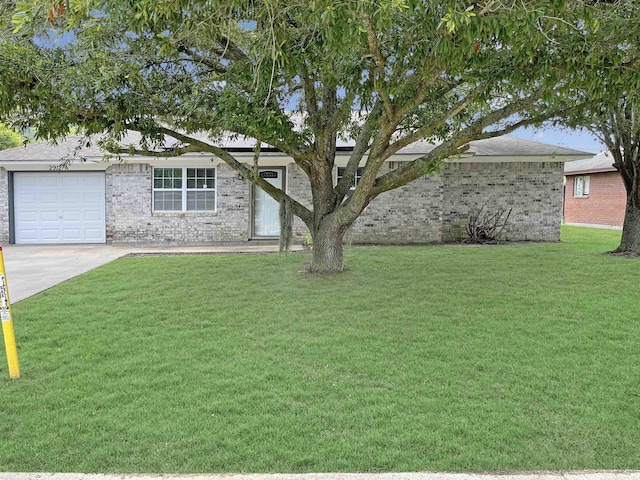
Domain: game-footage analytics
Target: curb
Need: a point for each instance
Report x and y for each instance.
(541, 475)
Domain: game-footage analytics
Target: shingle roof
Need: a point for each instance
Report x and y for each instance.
(603, 162)
(72, 146)
(502, 147)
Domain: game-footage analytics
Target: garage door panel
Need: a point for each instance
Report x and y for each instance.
(46, 181)
(48, 216)
(70, 198)
(72, 180)
(93, 234)
(71, 216)
(30, 217)
(93, 197)
(93, 216)
(30, 234)
(24, 197)
(92, 182)
(72, 235)
(59, 207)
(49, 233)
(47, 198)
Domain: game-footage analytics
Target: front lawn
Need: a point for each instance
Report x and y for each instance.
(520, 357)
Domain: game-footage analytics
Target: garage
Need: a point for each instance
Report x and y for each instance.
(59, 207)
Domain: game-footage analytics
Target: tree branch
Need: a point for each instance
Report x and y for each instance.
(433, 126)
(360, 148)
(380, 62)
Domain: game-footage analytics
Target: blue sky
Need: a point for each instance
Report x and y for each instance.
(576, 139)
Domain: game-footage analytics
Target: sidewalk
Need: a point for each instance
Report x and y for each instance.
(573, 475)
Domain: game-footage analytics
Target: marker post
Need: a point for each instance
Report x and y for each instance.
(7, 323)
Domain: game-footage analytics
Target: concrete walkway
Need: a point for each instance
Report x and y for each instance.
(32, 269)
(579, 475)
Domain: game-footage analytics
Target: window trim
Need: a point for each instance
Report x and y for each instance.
(356, 178)
(586, 186)
(184, 190)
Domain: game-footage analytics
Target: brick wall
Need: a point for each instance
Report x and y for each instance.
(298, 188)
(130, 218)
(409, 214)
(4, 206)
(436, 208)
(430, 209)
(605, 204)
(532, 190)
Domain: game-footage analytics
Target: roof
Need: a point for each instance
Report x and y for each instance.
(74, 147)
(603, 162)
(503, 146)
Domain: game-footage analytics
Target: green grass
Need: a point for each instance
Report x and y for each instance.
(517, 357)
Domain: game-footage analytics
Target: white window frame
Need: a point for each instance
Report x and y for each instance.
(581, 186)
(184, 190)
(356, 178)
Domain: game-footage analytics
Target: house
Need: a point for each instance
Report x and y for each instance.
(594, 192)
(197, 199)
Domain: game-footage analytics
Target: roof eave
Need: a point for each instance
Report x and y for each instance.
(590, 170)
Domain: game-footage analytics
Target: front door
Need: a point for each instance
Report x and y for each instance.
(266, 211)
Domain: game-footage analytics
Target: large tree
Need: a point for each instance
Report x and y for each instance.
(612, 114)
(617, 125)
(449, 71)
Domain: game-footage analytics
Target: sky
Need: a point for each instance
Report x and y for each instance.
(576, 139)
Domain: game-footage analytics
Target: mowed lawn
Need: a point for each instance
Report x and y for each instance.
(516, 357)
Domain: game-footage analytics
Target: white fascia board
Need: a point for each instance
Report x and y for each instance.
(342, 159)
(212, 160)
(47, 166)
(514, 159)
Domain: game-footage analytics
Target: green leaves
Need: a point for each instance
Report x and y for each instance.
(238, 65)
(454, 19)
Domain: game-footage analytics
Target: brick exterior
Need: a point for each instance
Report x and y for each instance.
(605, 204)
(431, 209)
(409, 214)
(299, 188)
(436, 208)
(4, 206)
(130, 218)
(532, 190)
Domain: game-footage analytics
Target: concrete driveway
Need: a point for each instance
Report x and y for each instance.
(32, 269)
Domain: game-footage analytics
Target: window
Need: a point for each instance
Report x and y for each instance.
(184, 189)
(355, 180)
(581, 186)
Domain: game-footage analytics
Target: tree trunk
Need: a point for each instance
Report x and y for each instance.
(630, 243)
(328, 248)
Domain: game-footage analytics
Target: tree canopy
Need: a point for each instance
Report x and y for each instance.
(383, 73)
(9, 138)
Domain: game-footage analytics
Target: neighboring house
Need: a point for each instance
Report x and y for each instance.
(594, 192)
(196, 199)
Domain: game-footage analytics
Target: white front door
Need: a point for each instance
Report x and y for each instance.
(59, 207)
(266, 211)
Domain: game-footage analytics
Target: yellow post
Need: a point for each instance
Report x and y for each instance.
(7, 323)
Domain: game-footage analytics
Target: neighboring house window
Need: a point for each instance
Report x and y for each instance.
(184, 189)
(355, 180)
(581, 186)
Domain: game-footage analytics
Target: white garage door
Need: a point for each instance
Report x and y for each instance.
(59, 207)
